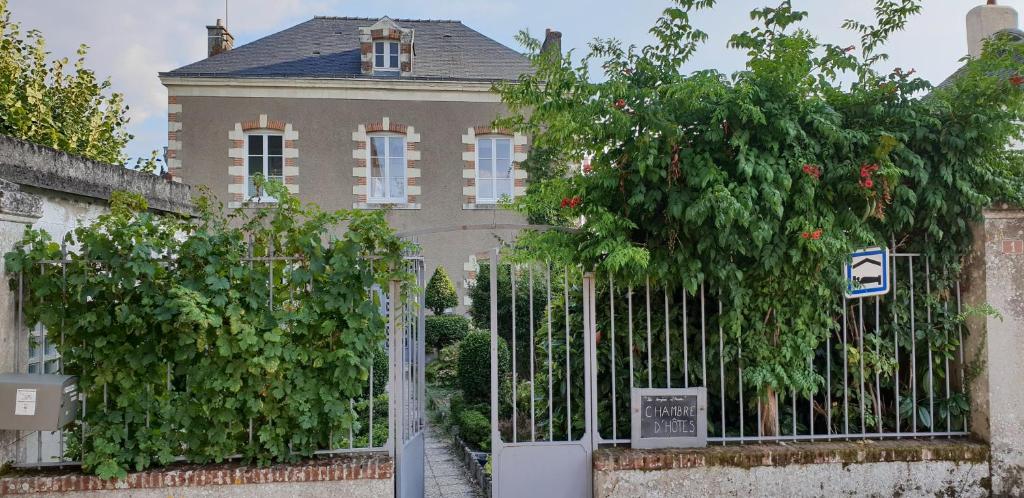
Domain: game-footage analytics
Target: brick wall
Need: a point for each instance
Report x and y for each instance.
(175, 481)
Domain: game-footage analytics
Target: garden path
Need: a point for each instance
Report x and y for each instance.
(445, 475)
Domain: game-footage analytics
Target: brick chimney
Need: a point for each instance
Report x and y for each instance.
(218, 39)
(552, 41)
(984, 21)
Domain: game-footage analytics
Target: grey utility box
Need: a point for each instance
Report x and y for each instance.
(35, 402)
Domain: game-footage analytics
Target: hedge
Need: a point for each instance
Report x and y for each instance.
(475, 364)
(444, 330)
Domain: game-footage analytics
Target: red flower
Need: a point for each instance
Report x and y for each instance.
(812, 170)
(868, 183)
(575, 201)
(816, 235)
(565, 201)
(1017, 80)
(851, 48)
(587, 168)
(620, 104)
(806, 235)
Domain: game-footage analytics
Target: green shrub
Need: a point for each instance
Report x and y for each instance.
(444, 330)
(198, 317)
(456, 404)
(475, 365)
(443, 371)
(475, 429)
(441, 292)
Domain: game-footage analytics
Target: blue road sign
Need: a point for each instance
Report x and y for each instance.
(867, 272)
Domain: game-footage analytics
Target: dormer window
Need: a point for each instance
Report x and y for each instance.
(385, 56)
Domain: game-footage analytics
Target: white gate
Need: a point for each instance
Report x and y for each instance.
(547, 452)
(406, 341)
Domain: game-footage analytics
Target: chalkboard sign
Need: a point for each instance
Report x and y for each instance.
(669, 418)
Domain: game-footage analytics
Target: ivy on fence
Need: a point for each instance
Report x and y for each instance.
(250, 335)
(758, 184)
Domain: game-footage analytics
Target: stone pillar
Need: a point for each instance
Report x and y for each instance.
(994, 276)
(17, 210)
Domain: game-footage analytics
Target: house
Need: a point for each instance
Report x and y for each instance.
(358, 113)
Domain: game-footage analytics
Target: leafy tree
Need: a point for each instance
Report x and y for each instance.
(441, 292)
(53, 104)
(758, 184)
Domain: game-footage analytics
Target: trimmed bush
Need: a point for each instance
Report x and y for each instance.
(475, 365)
(443, 371)
(445, 330)
(475, 429)
(440, 293)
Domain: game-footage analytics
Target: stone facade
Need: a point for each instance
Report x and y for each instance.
(333, 120)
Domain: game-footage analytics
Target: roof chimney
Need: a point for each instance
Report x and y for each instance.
(552, 41)
(984, 21)
(218, 39)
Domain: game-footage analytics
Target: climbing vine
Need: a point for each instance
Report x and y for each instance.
(187, 334)
(758, 184)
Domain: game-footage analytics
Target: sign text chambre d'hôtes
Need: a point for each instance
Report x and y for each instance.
(669, 418)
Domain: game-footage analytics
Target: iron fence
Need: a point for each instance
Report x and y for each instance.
(893, 366)
(403, 308)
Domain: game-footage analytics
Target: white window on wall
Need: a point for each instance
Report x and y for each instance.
(264, 156)
(387, 169)
(385, 55)
(494, 177)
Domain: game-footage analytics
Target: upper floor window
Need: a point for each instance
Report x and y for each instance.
(494, 176)
(264, 156)
(387, 169)
(385, 55)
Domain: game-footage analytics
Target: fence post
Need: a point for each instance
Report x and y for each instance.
(495, 433)
(590, 359)
(395, 363)
(994, 275)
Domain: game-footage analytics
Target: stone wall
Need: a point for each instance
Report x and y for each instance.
(995, 344)
(886, 468)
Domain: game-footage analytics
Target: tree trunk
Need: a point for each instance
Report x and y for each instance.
(769, 413)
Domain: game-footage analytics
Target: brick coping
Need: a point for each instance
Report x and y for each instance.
(337, 468)
(779, 455)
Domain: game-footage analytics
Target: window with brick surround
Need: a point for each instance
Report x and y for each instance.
(385, 55)
(387, 174)
(494, 174)
(264, 156)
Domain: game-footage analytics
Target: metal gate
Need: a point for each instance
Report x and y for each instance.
(541, 428)
(406, 376)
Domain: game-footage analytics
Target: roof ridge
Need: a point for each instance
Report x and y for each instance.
(354, 18)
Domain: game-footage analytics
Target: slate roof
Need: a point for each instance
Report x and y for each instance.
(1017, 36)
(328, 47)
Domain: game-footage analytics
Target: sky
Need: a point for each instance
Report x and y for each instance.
(132, 40)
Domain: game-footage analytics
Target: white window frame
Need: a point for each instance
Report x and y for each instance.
(386, 166)
(42, 355)
(390, 52)
(495, 198)
(263, 196)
